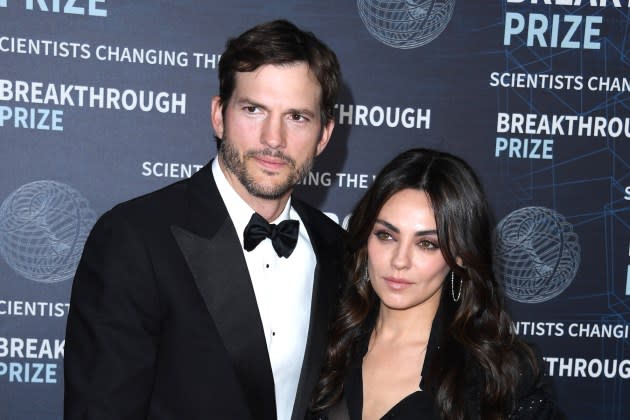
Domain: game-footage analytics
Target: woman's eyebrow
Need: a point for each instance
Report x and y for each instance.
(395, 229)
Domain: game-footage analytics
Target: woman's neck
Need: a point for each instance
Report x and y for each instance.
(412, 324)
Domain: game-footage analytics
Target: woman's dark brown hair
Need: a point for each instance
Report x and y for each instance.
(480, 327)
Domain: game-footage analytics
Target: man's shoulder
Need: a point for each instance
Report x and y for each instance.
(168, 200)
(167, 206)
(164, 200)
(318, 220)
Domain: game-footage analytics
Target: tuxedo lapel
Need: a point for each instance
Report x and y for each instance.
(213, 253)
(325, 290)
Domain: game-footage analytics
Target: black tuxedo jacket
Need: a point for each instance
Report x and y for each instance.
(163, 321)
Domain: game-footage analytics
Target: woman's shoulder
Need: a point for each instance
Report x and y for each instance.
(535, 397)
(339, 411)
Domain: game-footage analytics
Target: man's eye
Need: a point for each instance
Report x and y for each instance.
(251, 109)
(298, 117)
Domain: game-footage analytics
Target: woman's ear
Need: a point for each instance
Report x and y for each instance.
(459, 262)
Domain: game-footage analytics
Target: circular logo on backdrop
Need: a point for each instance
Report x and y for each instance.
(43, 227)
(405, 23)
(537, 254)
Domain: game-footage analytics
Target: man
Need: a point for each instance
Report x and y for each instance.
(170, 317)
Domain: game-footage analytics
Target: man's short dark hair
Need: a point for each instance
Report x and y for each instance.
(280, 42)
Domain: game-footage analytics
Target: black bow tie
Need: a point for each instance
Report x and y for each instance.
(283, 236)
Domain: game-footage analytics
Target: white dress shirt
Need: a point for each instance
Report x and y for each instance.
(283, 288)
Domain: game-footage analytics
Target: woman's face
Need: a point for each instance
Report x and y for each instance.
(405, 264)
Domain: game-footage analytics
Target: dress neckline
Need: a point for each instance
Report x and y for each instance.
(417, 402)
(402, 402)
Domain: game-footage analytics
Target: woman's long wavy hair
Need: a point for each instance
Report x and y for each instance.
(480, 327)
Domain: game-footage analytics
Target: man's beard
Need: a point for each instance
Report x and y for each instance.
(233, 162)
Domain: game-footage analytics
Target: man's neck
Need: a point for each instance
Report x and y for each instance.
(270, 209)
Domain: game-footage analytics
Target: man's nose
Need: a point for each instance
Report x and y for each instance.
(273, 133)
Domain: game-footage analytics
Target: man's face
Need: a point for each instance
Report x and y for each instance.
(271, 129)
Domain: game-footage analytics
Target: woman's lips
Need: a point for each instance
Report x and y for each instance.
(396, 283)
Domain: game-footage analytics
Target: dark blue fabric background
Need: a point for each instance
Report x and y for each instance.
(100, 152)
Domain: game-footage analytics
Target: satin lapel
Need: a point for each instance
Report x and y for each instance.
(325, 291)
(213, 254)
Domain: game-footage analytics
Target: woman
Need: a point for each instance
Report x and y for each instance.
(421, 330)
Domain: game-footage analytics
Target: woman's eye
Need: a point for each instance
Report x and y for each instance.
(383, 236)
(427, 244)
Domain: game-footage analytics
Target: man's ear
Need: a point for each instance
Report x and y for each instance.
(327, 130)
(216, 116)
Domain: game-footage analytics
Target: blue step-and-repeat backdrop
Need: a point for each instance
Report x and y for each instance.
(103, 100)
